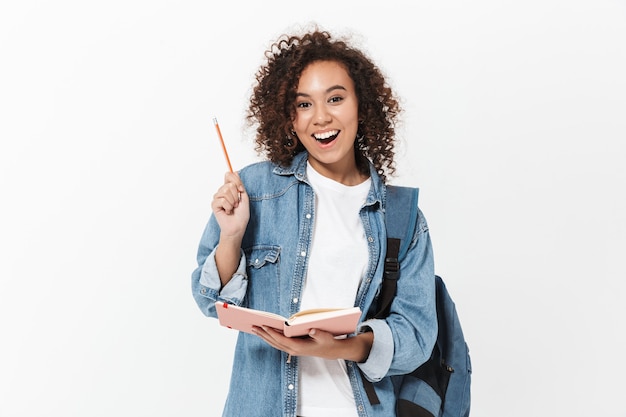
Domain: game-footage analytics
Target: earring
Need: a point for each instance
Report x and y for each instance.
(291, 139)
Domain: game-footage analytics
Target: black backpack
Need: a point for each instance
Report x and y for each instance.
(441, 386)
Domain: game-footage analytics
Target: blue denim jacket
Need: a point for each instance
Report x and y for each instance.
(271, 277)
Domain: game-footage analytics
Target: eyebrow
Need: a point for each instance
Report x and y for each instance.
(328, 90)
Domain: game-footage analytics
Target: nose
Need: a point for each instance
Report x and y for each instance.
(322, 116)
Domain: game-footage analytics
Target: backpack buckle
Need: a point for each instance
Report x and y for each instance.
(392, 267)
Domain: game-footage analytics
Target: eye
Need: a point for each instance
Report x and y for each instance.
(303, 105)
(335, 99)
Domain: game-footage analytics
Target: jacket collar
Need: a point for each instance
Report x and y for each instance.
(297, 168)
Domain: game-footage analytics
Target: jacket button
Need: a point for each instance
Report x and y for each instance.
(290, 386)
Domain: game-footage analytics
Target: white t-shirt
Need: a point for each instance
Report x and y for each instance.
(338, 260)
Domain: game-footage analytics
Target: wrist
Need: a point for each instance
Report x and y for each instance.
(230, 241)
(357, 348)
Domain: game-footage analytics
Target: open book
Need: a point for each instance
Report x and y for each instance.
(338, 321)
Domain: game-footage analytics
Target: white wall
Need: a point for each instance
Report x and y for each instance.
(514, 130)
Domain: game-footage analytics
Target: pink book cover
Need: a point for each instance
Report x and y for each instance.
(338, 321)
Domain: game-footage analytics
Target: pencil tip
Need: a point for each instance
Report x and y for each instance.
(215, 120)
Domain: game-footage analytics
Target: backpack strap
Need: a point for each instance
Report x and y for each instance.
(401, 214)
(400, 221)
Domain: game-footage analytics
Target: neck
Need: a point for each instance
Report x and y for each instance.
(344, 175)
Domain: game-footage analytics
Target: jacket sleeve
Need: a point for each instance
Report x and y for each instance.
(405, 339)
(206, 286)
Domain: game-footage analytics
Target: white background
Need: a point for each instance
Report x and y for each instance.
(514, 130)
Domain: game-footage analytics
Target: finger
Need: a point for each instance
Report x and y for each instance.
(230, 191)
(221, 204)
(275, 335)
(226, 198)
(321, 337)
(265, 334)
(233, 178)
(235, 189)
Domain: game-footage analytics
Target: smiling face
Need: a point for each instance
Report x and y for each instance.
(326, 120)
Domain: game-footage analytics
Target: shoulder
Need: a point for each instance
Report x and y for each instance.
(256, 169)
(403, 211)
(263, 179)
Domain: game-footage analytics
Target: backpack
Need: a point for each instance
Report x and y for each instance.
(441, 386)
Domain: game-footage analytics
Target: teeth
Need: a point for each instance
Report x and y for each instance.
(326, 135)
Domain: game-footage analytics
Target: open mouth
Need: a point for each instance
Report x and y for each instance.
(326, 137)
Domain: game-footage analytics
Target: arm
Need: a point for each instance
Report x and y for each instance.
(232, 211)
(404, 340)
(221, 272)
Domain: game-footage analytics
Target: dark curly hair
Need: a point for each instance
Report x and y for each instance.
(272, 104)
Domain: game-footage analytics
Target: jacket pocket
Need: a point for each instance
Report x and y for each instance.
(263, 277)
(261, 256)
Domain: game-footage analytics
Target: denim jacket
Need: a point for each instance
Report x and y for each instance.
(271, 276)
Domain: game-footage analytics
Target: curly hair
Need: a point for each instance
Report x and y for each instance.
(272, 104)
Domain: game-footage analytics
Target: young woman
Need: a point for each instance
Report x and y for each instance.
(306, 229)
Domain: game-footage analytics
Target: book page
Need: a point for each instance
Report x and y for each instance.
(335, 321)
(314, 311)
